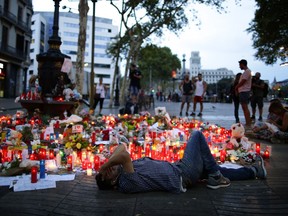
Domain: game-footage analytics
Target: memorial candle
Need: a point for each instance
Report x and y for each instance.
(96, 162)
(258, 148)
(58, 159)
(89, 168)
(51, 154)
(222, 155)
(84, 164)
(34, 171)
(42, 169)
(266, 154)
(69, 163)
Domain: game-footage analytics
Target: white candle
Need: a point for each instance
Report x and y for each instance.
(58, 159)
(89, 172)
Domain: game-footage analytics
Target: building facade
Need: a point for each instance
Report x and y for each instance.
(105, 32)
(15, 38)
(209, 75)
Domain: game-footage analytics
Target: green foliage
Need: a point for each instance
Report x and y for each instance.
(159, 61)
(269, 30)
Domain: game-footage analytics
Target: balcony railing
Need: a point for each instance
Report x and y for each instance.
(13, 52)
(10, 17)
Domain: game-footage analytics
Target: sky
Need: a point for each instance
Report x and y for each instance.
(221, 38)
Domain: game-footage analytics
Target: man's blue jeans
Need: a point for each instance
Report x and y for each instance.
(198, 161)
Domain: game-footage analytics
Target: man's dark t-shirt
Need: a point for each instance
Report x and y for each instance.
(134, 81)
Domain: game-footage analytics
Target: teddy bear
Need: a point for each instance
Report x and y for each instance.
(238, 136)
(68, 93)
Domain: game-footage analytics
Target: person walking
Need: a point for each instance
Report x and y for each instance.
(146, 174)
(235, 97)
(99, 96)
(200, 90)
(186, 88)
(257, 95)
(244, 89)
(135, 86)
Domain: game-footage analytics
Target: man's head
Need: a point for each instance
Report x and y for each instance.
(109, 179)
(243, 64)
(186, 77)
(199, 76)
(103, 184)
(257, 75)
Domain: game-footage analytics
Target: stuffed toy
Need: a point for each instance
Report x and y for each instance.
(68, 93)
(238, 146)
(238, 136)
(14, 137)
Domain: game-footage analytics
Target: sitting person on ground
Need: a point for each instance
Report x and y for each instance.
(276, 126)
(146, 174)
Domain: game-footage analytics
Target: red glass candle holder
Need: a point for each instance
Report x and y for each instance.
(258, 148)
(34, 171)
(51, 154)
(69, 163)
(266, 154)
(96, 162)
(84, 164)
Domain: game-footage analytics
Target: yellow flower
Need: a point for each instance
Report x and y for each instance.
(78, 145)
(68, 145)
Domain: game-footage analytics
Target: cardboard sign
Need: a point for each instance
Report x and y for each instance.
(77, 128)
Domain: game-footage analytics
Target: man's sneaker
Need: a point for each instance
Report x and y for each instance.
(187, 114)
(261, 172)
(180, 114)
(200, 114)
(192, 114)
(252, 117)
(260, 118)
(219, 181)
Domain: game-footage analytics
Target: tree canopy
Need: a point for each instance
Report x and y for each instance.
(159, 61)
(269, 30)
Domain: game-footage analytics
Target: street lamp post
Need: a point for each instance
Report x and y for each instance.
(92, 54)
(184, 60)
(50, 62)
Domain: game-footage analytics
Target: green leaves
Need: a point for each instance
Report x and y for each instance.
(269, 30)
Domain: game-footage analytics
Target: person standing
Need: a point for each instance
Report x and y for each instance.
(244, 88)
(135, 77)
(99, 95)
(200, 90)
(235, 97)
(257, 95)
(186, 88)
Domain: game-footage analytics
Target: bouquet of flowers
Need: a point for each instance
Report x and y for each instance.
(77, 142)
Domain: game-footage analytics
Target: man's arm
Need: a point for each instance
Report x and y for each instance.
(205, 88)
(180, 86)
(240, 84)
(119, 157)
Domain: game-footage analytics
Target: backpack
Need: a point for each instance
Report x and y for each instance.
(265, 90)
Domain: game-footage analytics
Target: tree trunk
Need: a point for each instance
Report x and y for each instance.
(83, 11)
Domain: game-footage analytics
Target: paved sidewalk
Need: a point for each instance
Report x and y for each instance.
(81, 197)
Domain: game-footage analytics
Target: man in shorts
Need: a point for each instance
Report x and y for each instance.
(244, 88)
(200, 90)
(186, 88)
